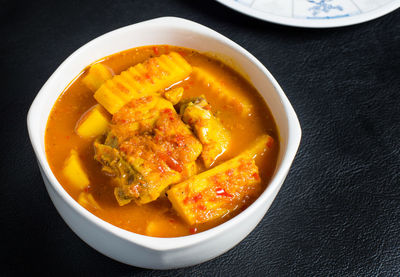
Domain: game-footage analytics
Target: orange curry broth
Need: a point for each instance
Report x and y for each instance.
(60, 138)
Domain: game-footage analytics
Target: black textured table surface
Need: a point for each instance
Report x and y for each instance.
(338, 212)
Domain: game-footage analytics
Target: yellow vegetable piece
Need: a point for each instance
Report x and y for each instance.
(86, 200)
(228, 94)
(163, 104)
(142, 80)
(74, 171)
(93, 123)
(220, 190)
(216, 192)
(174, 95)
(97, 75)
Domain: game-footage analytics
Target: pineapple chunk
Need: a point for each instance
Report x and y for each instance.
(216, 192)
(74, 171)
(220, 190)
(97, 75)
(86, 200)
(93, 123)
(143, 79)
(174, 95)
(229, 94)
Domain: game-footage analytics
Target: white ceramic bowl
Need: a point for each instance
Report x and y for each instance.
(144, 251)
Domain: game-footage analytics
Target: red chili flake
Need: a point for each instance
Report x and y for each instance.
(172, 220)
(222, 192)
(208, 108)
(170, 114)
(67, 137)
(155, 50)
(201, 207)
(194, 199)
(167, 111)
(197, 197)
(87, 189)
(193, 230)
(256, 176)
(148, 77)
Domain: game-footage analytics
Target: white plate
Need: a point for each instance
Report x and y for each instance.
(314, 13)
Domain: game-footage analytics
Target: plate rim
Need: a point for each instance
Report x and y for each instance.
(312, 23)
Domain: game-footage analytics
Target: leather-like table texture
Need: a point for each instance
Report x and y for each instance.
(338, 212)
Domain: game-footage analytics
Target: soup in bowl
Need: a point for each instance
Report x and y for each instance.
(162, 144)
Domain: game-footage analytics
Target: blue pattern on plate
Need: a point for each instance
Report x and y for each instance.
(314, 13)
(323, 6)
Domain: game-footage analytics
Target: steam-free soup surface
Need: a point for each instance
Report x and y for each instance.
(158, 217)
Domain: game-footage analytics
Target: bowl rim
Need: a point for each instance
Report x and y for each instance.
(156, 243)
